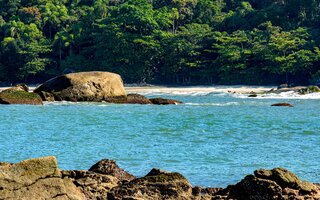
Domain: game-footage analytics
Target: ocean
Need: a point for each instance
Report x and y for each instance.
(214, 139)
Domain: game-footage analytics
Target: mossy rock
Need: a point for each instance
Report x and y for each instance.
(19, 97)
(309, 90)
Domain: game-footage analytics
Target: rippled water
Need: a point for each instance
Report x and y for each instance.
(213, 139)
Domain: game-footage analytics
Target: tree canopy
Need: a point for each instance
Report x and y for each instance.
(162, 41)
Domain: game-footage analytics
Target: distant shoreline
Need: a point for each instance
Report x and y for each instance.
(240, 89)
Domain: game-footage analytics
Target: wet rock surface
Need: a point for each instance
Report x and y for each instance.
(282, 105)
(41, 178)
(162, 101)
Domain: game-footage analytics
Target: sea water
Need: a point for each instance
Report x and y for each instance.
(213, 139)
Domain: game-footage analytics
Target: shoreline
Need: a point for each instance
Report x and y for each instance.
(240, 89)
(41, 178)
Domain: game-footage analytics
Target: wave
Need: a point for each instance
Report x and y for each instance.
(182, 93)
(214, 104)
(282, 95)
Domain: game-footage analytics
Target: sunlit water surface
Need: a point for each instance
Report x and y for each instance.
(214, 139)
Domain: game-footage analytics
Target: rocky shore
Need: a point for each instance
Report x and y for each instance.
(79, 87)
(40, 178)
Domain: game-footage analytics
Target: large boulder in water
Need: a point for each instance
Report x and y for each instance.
(83, 86)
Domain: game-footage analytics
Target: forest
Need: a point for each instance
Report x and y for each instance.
(258, 42)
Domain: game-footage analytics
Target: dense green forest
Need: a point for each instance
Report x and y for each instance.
(162, 41)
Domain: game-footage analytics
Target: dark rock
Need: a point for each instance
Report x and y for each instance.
(252, 95)
(162, 101)
(109, 167)
(277, 183)
(255, 188)
(282, 104)
(308, 90)
(157, 185)
(84, 86)
(137, 99)
(18, 95)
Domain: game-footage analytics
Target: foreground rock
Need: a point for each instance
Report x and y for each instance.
(278, 183)
(156, 184)
(41, 179)
(19, 95)
(83, 86)
(36, 179)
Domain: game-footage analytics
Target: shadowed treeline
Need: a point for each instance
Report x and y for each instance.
(162, 41)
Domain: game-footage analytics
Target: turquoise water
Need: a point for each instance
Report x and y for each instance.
(213, 139)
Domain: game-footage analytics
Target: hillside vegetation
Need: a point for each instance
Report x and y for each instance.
(162, 41)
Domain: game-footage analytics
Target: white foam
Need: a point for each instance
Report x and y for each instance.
(282, 95)
(213, 104)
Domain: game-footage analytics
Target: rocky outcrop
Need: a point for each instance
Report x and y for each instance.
(109, 167)
(36, 179)
(93, 185)
(156, 184)
(277, 183)
(83, 86)
(162, 101)
(282, 104)
(41, 179)
(309, 90)
(137, 99)
(19, 95)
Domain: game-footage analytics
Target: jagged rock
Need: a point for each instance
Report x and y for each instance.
(84, 86)
(37, 178)
(137, 99)
(19, 95)
(282, 104)
(93, 185)
(277, 183)
(255, 188)
(157, 185)
(162, 101)
(109, 167)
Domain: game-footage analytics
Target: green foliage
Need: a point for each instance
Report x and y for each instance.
(168, 41)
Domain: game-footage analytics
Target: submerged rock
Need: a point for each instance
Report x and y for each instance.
(162, 101)
(282, 104)
(84, 86)
(137, 99)
(19, 95)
